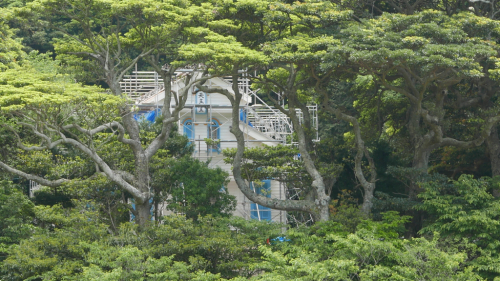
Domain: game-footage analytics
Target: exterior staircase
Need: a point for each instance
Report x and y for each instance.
(145, 85)
(141, 85)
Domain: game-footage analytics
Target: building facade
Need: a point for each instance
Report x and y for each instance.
(208, 116)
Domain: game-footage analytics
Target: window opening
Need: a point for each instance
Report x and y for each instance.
(188, 129)
(258, 212)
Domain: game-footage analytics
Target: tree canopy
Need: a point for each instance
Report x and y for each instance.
(407, 98)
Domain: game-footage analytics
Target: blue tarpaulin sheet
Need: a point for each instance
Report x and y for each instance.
(148, 116)
(151, 116)
(243, 117)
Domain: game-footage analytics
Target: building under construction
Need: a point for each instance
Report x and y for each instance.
(209, 116)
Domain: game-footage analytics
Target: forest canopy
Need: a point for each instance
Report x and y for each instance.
(400, 179)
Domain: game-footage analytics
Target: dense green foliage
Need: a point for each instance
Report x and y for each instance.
(408, 105)
(73, 244)
(466, 214)
(197, 190)
(16, 216)
(11, 53)
(373, 252)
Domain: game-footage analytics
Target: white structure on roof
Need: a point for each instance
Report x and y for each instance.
(209, 116)
(34, 187)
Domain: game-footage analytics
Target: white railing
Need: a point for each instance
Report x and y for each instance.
(142, 85)
(34, 186)
(274, 123)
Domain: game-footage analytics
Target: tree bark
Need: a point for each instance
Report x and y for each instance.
(318, 204)
(367, 185)
(493, 143)
(143, 211)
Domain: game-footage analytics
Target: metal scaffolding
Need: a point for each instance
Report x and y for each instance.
(255, 115)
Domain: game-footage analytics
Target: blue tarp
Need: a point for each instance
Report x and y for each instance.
(279, 239)
(151, 116)
(148, 116)
(243, 117)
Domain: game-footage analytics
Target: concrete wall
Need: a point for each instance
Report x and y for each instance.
(221, 112)
(223, 116)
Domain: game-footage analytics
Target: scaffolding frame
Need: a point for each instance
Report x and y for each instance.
(259, 116)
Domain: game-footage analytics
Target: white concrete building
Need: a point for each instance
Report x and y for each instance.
(209, 116)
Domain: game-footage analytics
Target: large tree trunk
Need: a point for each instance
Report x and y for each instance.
(421, 148)
(143, 213)
(493, 142)
(322, 200)
(323, 210)
(367, 205)
(317, 205)
(421, 158)
(368, 185)
(420, 164)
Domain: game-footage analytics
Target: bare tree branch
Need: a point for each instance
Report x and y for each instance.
(40, 180)
(166, 122)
